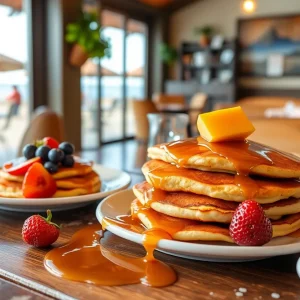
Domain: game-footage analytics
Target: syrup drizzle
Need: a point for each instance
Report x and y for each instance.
(85, 259)
(244, 155)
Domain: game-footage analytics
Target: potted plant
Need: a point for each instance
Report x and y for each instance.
(85, 35)
(168, 54)
(205, 33)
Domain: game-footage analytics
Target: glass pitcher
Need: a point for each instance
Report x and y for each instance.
(167, 127)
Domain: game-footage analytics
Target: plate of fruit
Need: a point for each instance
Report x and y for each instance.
(50, 176)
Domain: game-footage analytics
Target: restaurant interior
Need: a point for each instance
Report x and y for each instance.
(115, 77)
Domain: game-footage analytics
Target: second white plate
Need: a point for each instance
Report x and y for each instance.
(113, 180)
(119, 204)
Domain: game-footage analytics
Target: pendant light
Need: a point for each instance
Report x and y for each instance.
(249, 6)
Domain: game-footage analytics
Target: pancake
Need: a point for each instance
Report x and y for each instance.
(79, 169)
(167, 177)
(78, 191)
(90, 179)
(202, 208)
(180, 229)
(188, 230)
(65, 187)
(228, 157)
(185, 205)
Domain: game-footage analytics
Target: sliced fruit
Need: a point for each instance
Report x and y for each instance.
(18, 169)
(250, 226)
(38, 183)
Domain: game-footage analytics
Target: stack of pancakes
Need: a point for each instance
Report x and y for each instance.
(193, 187)
(70, 182)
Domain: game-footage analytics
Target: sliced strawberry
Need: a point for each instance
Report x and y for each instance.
(18, 169)
(250, 226)
(51, 142)
(38, 183)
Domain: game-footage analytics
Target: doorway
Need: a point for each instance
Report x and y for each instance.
(107, 114)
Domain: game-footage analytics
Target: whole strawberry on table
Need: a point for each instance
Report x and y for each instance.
(39, 231)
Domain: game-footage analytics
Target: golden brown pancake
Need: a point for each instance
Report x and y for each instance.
(167, 177)
(79, 169)
(78, 182)
(180, 229)
(203, 208)
(69, 187)
(188, 230)
(228, 157)
(185, 205)
(16, 192)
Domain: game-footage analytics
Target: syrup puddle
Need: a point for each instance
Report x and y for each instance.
(84, 259)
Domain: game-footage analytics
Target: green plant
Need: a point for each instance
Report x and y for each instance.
(86, 32)
(205, 30)
(168, 54)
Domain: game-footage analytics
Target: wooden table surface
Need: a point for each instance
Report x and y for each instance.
(23, 276)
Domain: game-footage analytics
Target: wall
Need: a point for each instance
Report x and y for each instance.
(224, 14)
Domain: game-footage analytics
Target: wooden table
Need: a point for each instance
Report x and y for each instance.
(22, 272)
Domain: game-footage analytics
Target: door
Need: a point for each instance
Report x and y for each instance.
(107, 114)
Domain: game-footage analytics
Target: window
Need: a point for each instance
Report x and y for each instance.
(14, 100)
(108, 94)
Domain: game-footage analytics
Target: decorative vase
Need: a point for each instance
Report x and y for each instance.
(78, 56)
(204, 40)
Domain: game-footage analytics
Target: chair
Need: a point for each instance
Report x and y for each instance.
(197, 105)
(44, 123)
(168, 99)
(140, 110)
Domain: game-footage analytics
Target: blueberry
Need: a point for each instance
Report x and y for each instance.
(56, 155)
(68, 161)
(42, 152)
(29, 151)
(68, 148)
(51, 167)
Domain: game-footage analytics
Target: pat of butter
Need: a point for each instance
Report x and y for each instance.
(229, 124)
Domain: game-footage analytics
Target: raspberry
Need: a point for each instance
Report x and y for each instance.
(250, 226)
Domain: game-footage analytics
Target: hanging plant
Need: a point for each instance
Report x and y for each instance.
(168, 54)
(85, 35)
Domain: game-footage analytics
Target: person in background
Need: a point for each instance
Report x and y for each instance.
(14, 99)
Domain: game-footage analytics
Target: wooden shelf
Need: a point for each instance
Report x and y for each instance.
(218, 85)
(208, 66)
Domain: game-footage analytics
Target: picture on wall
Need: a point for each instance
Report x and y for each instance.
(270, 46)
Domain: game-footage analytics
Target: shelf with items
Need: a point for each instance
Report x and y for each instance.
(195, 59)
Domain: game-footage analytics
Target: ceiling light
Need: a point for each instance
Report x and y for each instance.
(249, 6)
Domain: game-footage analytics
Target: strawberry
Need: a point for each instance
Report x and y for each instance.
(50, 142)
(250, 226)
(40, 232)
(16, 168)
(38, 183)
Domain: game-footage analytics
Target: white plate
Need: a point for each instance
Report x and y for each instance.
(119, 204)
(113, 180)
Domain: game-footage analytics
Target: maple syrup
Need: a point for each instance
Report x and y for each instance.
(244, 155)
(84, 259)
